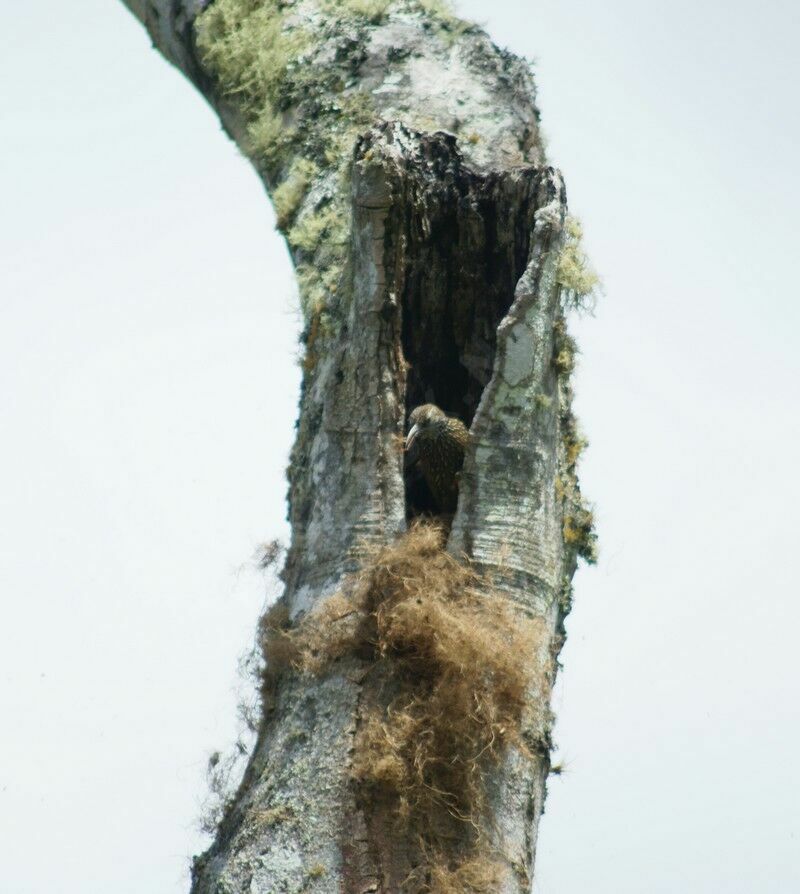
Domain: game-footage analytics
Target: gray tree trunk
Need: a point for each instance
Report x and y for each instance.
(402, 152)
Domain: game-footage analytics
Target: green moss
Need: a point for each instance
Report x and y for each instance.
(574, 444)
(577, 517)
(244, 44)
(564, 349)
(565, 596)
(267, 137)
(579, 532)
(572, 440)
(323, 235)
(301, 122)
(315, 285)
(359, 109)
(247, 47)
(578, 280)
(565, 360)
(289, 194)
(291, 100)
(310, 229)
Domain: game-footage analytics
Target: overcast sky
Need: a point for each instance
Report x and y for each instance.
(148, 390)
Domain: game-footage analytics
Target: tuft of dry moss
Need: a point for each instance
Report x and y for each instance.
(578, 280)
(475, 875)
(287, 196)
(302, 122)
(460, 669)
(577, 517)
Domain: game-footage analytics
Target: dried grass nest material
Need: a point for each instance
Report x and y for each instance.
(464, 668)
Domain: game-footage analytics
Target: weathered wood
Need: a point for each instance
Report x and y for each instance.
(426, 229)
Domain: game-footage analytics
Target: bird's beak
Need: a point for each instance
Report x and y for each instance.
(411, 436)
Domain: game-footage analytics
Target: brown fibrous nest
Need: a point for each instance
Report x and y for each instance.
(460, 671)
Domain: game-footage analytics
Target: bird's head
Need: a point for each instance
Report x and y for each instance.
(426, 421)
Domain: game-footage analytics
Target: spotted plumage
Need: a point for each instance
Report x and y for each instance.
(436, 442)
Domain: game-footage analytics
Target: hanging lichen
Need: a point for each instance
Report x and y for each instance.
(577, 517)
(301, 125)
(290, 68)
(578, 280)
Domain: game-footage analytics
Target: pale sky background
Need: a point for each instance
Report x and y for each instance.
(148, 385)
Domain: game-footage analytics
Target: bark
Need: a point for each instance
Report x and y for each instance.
(402, 151)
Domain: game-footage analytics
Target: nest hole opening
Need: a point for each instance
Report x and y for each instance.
(462, 244)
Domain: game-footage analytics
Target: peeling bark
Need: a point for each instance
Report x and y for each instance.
(428, 249)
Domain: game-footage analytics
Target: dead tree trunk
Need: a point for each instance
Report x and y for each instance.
(401, 150)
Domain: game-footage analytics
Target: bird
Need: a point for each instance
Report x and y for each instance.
(436, 442)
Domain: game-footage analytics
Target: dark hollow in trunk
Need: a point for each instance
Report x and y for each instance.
(456, 244)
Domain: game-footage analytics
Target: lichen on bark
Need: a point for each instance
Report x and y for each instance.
(309, 76)
(402, 152)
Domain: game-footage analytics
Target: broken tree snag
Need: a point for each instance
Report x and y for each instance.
(435, 256)
(456, 242)
(470, 261)
(401, 150)
(453, 298)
